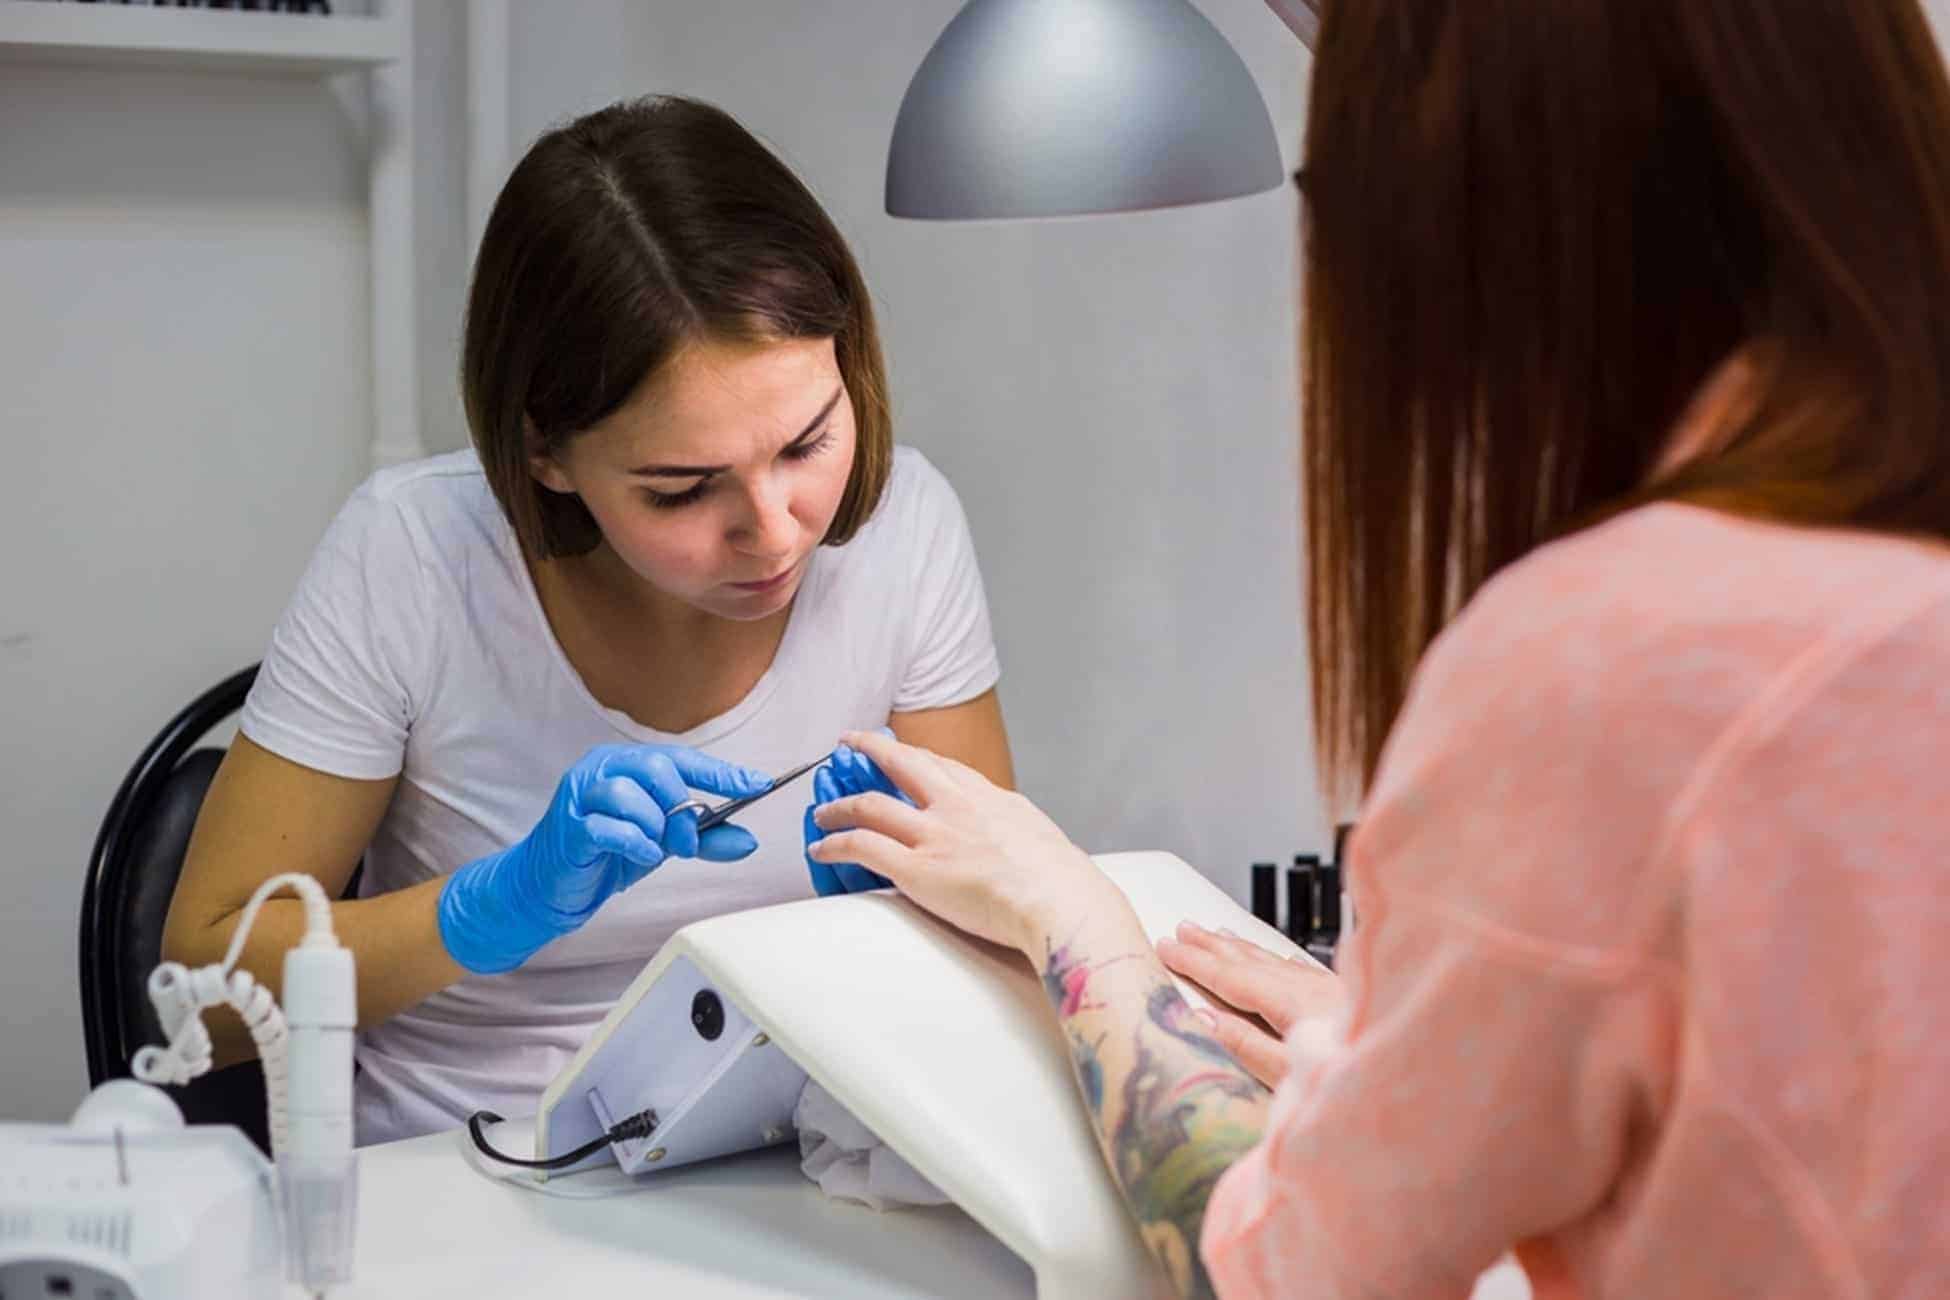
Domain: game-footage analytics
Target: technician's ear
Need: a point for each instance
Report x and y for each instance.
(542, 463)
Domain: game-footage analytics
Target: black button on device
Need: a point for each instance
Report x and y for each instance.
(707, 1015)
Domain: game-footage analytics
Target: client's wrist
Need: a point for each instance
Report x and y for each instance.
(1080, 906)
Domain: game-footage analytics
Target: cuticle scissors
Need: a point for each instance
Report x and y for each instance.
(709, 815)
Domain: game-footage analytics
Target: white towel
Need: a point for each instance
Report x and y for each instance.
(843, 1156)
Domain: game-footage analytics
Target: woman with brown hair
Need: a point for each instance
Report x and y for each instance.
(1628, 479)
(684, 526)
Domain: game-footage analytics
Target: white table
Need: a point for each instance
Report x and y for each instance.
(745, 1228)
(432, 1227)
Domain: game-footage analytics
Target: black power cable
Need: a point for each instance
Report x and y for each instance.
(640, 1125)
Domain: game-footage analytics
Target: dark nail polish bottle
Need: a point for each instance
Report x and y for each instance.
(1266, 895)
(1300, 911)
(1330, 902)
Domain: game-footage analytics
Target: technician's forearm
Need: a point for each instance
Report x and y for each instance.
(1172, 1109)
(394, 938)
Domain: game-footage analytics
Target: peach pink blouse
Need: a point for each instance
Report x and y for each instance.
(1651, 977)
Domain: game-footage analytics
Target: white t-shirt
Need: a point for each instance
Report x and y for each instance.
(416, 646)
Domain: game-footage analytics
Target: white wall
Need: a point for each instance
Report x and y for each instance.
(1113, 397)
(183, 344)
(440, 251)
(183, 356)
(183, 338)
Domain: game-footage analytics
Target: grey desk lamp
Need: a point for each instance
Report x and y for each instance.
(1049, 108)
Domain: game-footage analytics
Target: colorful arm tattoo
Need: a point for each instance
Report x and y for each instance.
(1172, 1109)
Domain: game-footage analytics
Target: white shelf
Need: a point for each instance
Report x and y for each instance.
(62, 31)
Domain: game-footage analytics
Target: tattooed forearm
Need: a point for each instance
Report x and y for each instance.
(1066, 978)
(1172, 1109)
(1090, 1070)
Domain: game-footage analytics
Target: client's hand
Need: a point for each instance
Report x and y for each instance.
(1265, 991)
(847, 773)
(978, 856)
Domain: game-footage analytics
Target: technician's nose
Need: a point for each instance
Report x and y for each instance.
(768, 527)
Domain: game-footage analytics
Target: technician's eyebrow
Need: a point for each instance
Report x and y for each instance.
(705, 471)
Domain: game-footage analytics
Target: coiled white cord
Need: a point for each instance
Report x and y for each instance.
(308, 1067)
(181, 995)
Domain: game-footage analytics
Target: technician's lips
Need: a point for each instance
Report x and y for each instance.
(769, 584)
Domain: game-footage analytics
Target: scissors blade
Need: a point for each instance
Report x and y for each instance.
(724, 811)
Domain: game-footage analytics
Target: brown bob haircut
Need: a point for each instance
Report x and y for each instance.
(1533, 228)
(618, 239)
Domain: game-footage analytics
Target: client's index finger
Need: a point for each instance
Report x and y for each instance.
(913, 769)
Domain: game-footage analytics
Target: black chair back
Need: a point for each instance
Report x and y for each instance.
(132, 876)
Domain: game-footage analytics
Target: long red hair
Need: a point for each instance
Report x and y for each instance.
(1535, 227)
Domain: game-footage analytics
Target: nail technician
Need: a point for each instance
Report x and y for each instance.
(1627, 446)
(684, 554)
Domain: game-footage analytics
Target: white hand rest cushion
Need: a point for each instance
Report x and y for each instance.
(944, 1046)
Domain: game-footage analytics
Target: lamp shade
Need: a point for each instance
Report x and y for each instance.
(1047, 108)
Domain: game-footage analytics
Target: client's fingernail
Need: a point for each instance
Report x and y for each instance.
(1190, 928)
(1227, 933)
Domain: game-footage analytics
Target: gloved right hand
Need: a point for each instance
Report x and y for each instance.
(604, 831)
(848, 772)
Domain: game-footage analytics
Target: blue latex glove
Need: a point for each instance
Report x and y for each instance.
(848, 772)
(604, 831)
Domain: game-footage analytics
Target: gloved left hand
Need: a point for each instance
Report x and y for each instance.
(848, 772)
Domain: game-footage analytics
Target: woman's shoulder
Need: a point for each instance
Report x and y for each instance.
(434, 485)
(913, 558)
(916, 487)
(1591, 692)
(435, 506)
(1658, 590)
(916, 503)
